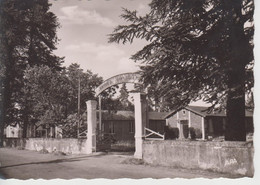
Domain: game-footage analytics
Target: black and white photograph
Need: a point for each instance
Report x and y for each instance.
(128, 89)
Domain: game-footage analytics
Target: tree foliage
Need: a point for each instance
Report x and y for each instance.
(199, 49)
(123, 99)
(53, 95)
(88, 83)
(47, 91)
(28, 37)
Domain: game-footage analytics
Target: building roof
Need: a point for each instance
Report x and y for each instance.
(129, 115)
(202, 111)
(157, 115)
(118, 115)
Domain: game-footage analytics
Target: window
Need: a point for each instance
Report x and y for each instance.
(183, 112)
(131, 127)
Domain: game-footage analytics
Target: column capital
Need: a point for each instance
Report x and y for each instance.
(92, 103)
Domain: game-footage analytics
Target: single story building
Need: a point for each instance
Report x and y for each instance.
(122, 124)
(197, 122)
(13, 131)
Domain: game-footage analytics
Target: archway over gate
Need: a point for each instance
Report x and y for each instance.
(140, 112)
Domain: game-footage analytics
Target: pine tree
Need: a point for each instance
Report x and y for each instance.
(199, 49)
(28, 37)
(123, 97)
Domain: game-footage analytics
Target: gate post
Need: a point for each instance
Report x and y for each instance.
(140, 123)
(92, 123)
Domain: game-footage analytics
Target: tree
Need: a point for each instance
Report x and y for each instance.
(52, 96)
(47, 92)
(123, 99)
(10, 38)
(108, 102)
(28, 37)
(88, 83)
(198, 49)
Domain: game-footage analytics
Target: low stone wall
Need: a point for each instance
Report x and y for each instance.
(14, 143)
(66, 145)
(224, 157)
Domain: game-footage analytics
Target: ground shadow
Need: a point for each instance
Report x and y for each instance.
(55, 161)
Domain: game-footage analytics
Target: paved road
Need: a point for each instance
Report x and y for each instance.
(24, 164)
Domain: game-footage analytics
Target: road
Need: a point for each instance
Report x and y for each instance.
(24, 164)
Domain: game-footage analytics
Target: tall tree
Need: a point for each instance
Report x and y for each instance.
(12, 32)
(47, 92)
(52, 96)
(123, 99)
(41, 38)
(199, 49)
(28, 37)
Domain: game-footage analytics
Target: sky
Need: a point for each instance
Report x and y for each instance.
(83, 33)
(84, 29)
(85, 25)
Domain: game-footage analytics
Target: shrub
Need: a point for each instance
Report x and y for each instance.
(171, 132)
(192, 132)
(195, 133)
(198, 133)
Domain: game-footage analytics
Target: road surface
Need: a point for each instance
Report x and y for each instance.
(24, 164)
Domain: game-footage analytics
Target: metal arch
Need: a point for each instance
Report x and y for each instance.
(118, 79)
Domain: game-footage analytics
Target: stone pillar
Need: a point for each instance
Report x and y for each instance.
(189, 125)
(92, 123)
(203, 128)
(181, 135)
(140, 123)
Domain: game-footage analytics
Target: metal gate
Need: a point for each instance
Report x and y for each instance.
(104, 141)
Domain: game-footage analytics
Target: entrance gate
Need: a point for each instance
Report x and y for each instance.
(104, 141)
(139, 106)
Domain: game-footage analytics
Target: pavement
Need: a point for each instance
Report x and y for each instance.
(24, 164)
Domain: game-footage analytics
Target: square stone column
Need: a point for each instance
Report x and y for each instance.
(92, 124)
(140, 122)
(181, 135)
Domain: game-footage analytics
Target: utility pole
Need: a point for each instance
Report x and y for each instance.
(78, 105)
(100, 114)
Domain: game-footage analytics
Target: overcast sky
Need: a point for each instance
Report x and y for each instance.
(85, 25)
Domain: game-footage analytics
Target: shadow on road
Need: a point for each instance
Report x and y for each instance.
(55, 161)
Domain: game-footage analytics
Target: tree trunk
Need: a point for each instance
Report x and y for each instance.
(239, 55)
(25, 125)
(2, 119)
(235, 125)
(6, 92)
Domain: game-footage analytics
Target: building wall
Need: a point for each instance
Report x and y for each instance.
(183, 114)
(172, 121)
(124, 130)
(215, 126)
(120, 129)
(196, 121)
(225, 157)
(13, 131)
(157, 125)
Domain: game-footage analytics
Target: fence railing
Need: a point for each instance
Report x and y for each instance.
(83, 134)
(149, 133)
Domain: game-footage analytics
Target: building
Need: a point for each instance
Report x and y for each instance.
(196, 122)
(122, 124)
(13, 131)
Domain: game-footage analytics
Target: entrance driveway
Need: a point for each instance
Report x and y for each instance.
(24, 164)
